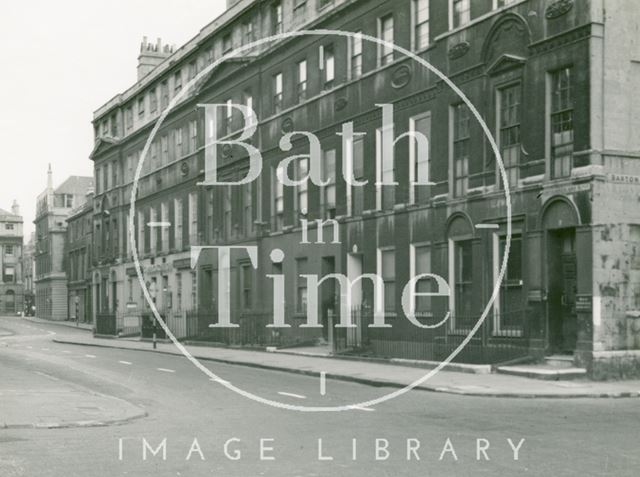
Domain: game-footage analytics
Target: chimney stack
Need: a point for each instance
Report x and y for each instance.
(15, 208)
(151, 55)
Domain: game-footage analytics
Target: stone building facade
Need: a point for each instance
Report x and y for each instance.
(11, 243)
(28, 273)
(53, 208)
(78, 250)
(553, 80)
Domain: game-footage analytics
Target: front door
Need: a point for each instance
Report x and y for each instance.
(561, 292)
(328, 295)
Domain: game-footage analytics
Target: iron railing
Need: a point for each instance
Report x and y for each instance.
(498, 339)
(106, 324)
(491, 343)
(252, 329)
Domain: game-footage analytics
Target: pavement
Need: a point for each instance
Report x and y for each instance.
(68, 324)
(30, 398)
(381, 374)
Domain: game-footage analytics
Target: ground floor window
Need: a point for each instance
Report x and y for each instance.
(462, 267)
(194, 288)
(421, 256)
(301, 287)
(508, 310)
(387, 271)
(247, 286)
(179, 290)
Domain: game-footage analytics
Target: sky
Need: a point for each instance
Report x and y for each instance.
(61, 60)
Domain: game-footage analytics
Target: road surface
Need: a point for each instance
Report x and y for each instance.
(208, 430)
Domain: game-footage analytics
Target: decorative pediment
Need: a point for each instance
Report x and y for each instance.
(102, 145)
(509, 35)
(504, 63)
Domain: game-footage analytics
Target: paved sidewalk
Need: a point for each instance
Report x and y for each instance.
(32, 399)
(379, 374)
(69, 324)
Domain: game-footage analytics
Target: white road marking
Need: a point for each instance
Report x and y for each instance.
(297, 396)
(360, 408)
(44, 349)
(66, 351)
(90, 355)
(221, 381)
(165, 370)
(29, 347)
(128, 363)
(323, 383)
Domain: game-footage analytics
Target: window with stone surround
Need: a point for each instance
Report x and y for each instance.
(509, 114)
(561, 122)
(460, 145)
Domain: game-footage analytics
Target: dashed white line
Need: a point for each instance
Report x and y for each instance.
(90, 355)
(44, 349)
(165, 370)
(297, 396)
(66, 351)
(360, 408)
(128, 363)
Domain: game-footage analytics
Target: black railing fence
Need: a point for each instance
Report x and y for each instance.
(252, 330)
(106, 324)
(501, 337)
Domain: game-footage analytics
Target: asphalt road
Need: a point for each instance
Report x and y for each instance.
(239, 437)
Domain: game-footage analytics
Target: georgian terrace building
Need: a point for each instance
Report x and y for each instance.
(554, 82)
(78, 252)
(11, 248)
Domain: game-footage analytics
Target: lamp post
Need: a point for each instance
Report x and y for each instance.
(153, 291)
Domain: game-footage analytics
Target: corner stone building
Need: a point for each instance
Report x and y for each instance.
(53, 207)
(11, 280)
(555, 81)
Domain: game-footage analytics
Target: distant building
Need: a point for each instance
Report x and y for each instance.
(78, 252)
(11, 285)
(28, 273)
(53, 209)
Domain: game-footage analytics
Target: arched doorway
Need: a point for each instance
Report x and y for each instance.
(559, 221)
(10, 302)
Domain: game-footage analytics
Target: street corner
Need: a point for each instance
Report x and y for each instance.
(36, 400)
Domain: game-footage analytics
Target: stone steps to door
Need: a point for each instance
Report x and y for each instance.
(544, 371)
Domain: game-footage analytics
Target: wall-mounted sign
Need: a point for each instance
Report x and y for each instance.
(624, 178)
(584, 302)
